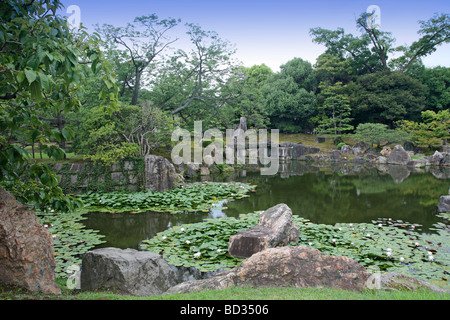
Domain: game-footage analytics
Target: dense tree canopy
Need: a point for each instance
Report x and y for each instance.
(118, 93)
(43, 67)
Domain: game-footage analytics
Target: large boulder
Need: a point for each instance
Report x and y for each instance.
(360, 148)
(26, 248)
(160, 174)
(399, 156)
(275, 228)
(398, 281)
(386, 152)
(299, 267)
(126, 271)
(299, 150)
(444, 204)
(436, 158)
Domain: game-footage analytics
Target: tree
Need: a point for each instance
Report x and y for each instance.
(435, 32)
(147, 126)
(246, 84)
(291, 101)
(386, 97)
(432, 132)
(43, 65)
(377, 133)
(437, 81)
(334, 113)
(143, 41)
(192, 84)
(369, 53)
(332, 69)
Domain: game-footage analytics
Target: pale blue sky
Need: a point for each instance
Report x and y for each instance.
(272, 32)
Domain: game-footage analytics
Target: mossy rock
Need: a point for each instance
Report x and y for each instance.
(397, 281)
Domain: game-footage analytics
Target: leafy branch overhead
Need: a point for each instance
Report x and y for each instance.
(371, 51)
(43, 68)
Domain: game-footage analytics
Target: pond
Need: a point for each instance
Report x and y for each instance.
(327, 194)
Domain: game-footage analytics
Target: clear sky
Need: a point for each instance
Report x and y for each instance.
(273, 32)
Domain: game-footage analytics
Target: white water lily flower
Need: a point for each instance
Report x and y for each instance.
(188, 242)
(430, 257)
(416, 244)
(388, 253)
(350, 225)
(182, 229)
(197, 255)
(219, 250)
(380, 225)
(402, 259)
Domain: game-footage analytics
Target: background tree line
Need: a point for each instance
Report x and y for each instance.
(359, 79)
(119, 92)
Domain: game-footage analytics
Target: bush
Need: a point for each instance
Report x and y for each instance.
(378, 133)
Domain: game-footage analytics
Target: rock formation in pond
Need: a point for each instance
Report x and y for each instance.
(444, 204)
(160, 174)
(26, 248)
(399, 156)
(275, 227)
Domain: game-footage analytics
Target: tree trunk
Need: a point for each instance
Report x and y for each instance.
(137, 84)
(60, 124)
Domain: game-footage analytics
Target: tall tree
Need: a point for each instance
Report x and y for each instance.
(371, 51)
(386, 97)
(43, 66)
(144, 41)
(334, 112)
(191, 84)
(290, 96)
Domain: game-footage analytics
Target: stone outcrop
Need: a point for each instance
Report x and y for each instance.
(26, 249)
(386, 152)
(398, 281)
(444, 204)
(275, 227)
(160, 174)
(291, 150)
(126, 271)
(399, 156)
(360, 148)
(298, 267)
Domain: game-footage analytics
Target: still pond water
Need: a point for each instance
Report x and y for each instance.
(328, 195)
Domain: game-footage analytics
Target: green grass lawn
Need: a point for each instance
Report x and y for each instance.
(235, 293)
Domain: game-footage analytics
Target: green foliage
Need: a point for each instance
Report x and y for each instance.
(432, 131)
(201, 245)
(190, 198)
(334, 112)
(70, 238)
(290, 97)
(386, 97)
(437, 81)
(377, 133)
(43, 72)
(107, 136)
(107, 154)
(385, 244)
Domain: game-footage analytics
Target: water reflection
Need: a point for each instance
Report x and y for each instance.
(322, 193)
